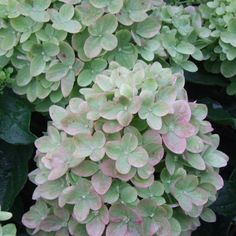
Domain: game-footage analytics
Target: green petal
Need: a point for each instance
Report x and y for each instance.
(196, 161)
(37, 65)
(92, 46)
(128, 194)
(185, 48)
(56, 72)
(67, 55)
(106, 24)
(149, 27)
(122, 165)
(66, 11)
(228, 68)
(155, 122)
(113, 149)
(109, 42)
(67, 83)
(23, 76)
(129, 142)
(85, 78)
(138, 158)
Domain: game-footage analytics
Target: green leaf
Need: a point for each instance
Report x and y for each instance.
(14, 120)
(225, 203)
(13, 171)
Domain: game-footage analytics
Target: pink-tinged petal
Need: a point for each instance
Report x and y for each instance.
(98, 139)
(128, 176)
(94, 201)
(104, 82)
(206, 127)
(211, 177)
(95, 228)
(108, 168)
(156, 157)
(62, 232)
(129, 141)
(75, 228)
(111, 127)
(111, 110)
(101, 182)
(81, 211)
(160, 109)
(122, 165)
(85, 169)
(155, 122)
(44, 144)
(57, 172)
(152, 136)
(185, 130)
(73, 194)
(174, 143)
(98, 154)
(116, 229)
(135, 105)
(35, 215)
(49, 190)
(71, 124)
(67, 83)
(124, 118)
(75, 104)
(57, 114)
(154, 226)
(51, 223)
(146, 171)
(199, 111)
(113, 149)
(138, 158)
(185, 203)
(142, 183)
(182, 111)
(104, 215)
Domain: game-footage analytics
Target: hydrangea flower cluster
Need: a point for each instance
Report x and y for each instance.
(53, 43)
(219, 17)
(130, 156)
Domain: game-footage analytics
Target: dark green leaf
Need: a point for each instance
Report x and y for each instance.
(217, 113)
(205, 78)
(15, 116)
(226, 204)
(13, 171)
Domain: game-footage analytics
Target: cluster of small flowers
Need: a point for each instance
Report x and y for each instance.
(130, 157)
